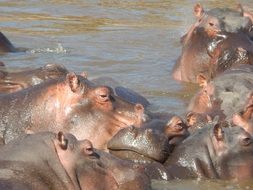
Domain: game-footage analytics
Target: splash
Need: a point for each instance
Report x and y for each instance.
(59, 49)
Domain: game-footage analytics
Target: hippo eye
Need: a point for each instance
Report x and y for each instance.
(246, 141)
(200, 20)
(179, 126)
(211, 24)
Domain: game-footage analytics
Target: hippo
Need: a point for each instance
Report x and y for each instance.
(43, 161)
(219, 40)
(195, 121)
(68, 164)
(226, 95)
(140, 145)
(6, 46)
(71, 104)
(153, 141)
(215, 152)
(123, 92)
(14, 81)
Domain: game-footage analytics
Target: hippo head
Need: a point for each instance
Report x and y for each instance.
(175, 129)
(140, 144)
(226, 95)
(71, 152)
(96, 113)
(234, 153)
(217, 41)
(217, 150)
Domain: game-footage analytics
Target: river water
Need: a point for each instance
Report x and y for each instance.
(135, 42)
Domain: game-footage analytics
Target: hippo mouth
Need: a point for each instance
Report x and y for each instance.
(137, 156)
(122, 120)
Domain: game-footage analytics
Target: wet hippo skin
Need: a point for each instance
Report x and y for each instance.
(153, 141)
(15, 81)
(213, 152)
(226, 95)
(71, 104)
(219, 40)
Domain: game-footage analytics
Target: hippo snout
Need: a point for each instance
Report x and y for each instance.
(88, 147)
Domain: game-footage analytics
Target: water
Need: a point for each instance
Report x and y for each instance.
(135, 42)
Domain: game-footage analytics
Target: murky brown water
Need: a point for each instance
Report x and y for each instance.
(135, 42)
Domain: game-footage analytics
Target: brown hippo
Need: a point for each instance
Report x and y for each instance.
(226, 95)
(71, 104)
(14, 81)
(59, 161)
(217, 41)
(6, 46)
(213, 152)
(154, 141)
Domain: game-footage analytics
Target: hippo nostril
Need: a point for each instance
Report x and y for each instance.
(138, 107)
(88, 147)
(211, 24)
(131, 128)
(179, 127)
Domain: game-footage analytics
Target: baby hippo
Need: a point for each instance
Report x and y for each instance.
(154, 141)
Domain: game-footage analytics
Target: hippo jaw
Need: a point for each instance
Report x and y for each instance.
(140, 144)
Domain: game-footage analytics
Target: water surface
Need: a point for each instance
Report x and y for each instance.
(134, 42)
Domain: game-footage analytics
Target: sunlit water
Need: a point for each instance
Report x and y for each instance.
(134, 42)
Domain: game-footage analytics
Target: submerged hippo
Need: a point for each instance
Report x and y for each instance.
(71, 104)
(226, 95)
(154, 141)
(59, 161)
(6, 46)
(213, 152)
(219, 40)
(43, 161)
(14, 81)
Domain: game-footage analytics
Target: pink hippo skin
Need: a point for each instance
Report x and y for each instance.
(70, 104)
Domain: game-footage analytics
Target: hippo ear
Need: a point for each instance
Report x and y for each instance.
(218, 132)
(198, 10)
(247, 113)
(191, 118)
(84, 74)
(202, 80)
(238, 120)
(73, 81)
(63, 142)
(240, 9)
